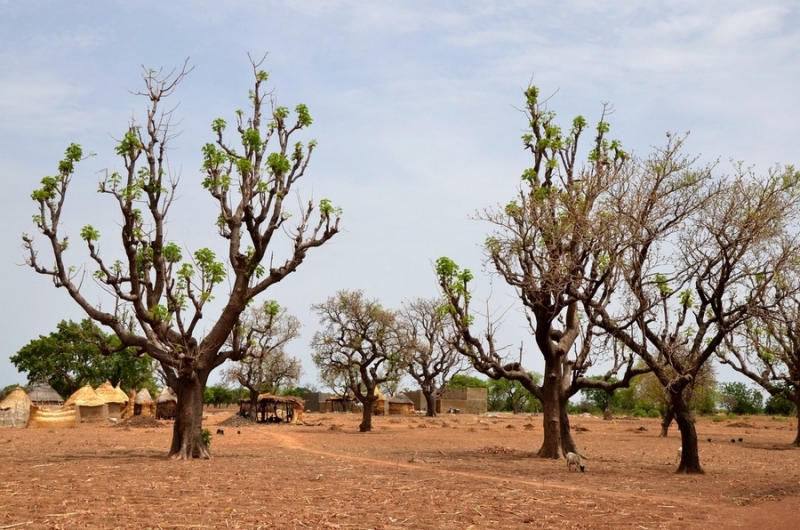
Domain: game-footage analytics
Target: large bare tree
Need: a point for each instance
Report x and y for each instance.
(701, 255)
(360, 341)
(767, 349)
(546, 243)
(266, 367)
(156, 297)
(430, 359)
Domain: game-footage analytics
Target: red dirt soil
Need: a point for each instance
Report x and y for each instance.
(454, 471)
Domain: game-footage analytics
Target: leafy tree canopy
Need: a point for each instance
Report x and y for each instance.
(466, 381)
(77, 354)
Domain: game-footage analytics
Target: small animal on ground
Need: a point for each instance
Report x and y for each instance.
(709, 440)
(680, 452)
(733, 440)
(220, 431)
(238, 432)
(575, 459)
(741, 439)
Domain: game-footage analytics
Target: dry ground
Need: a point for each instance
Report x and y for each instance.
(454, 471)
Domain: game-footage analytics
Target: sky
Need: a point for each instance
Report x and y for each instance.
(416, 113)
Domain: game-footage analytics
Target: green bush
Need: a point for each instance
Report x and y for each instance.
(717, 419)
(206, 434)
(653, 413)
(638, 413)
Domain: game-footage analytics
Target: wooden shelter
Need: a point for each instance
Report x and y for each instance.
(90, 407)
(166, 404)
(272, 408)
(401, 404)
(143, 404)
(114, 401)
(339, 403)
(244, 407)
(43, 395)
(15, 409)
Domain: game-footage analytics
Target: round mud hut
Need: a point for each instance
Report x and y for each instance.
(90, 407)
(143, 404)
(15, 409)
(166, 405)
(401, 404)
(43, 395)
(114, 401)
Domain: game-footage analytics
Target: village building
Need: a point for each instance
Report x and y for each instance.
(15, 409)
(89, 407)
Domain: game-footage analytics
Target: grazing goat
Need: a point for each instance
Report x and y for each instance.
(575, 459)
(220, 431)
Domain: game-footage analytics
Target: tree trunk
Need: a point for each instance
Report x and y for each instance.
(366, 415)
(551, 423)
(187, 437)
(666, 421)
(567, 443)
(430, 404)
(796, 442)
(690, 458)
(253, 412)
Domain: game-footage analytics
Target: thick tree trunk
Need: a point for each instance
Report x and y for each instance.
(690, 457)
(796, 442)
(366, 416)
(567, 443)
(430, 404)
(666, 421)
(187, 437)
(551, 405)
(253, 412)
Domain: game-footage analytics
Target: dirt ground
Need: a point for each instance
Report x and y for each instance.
(454, 471)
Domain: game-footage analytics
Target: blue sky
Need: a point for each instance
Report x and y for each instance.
(415, 111)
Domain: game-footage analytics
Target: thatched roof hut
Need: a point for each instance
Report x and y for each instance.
(401, 404)
(114, 401)
(143, 404)
(166, 405)
(15, 409)
(274, 408)
(89, 406)
(43, 395)
(379, 405)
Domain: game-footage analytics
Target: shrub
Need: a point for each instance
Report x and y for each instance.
(653, 413)
(206, 434)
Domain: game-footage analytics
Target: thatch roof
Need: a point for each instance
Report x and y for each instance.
(122, 395)
(166, 395)
(85, 397)
(15, 409)
(109, 394)
(401, 399)
(43, 393)
(143, 397)
(379, 394)
(271, 398)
